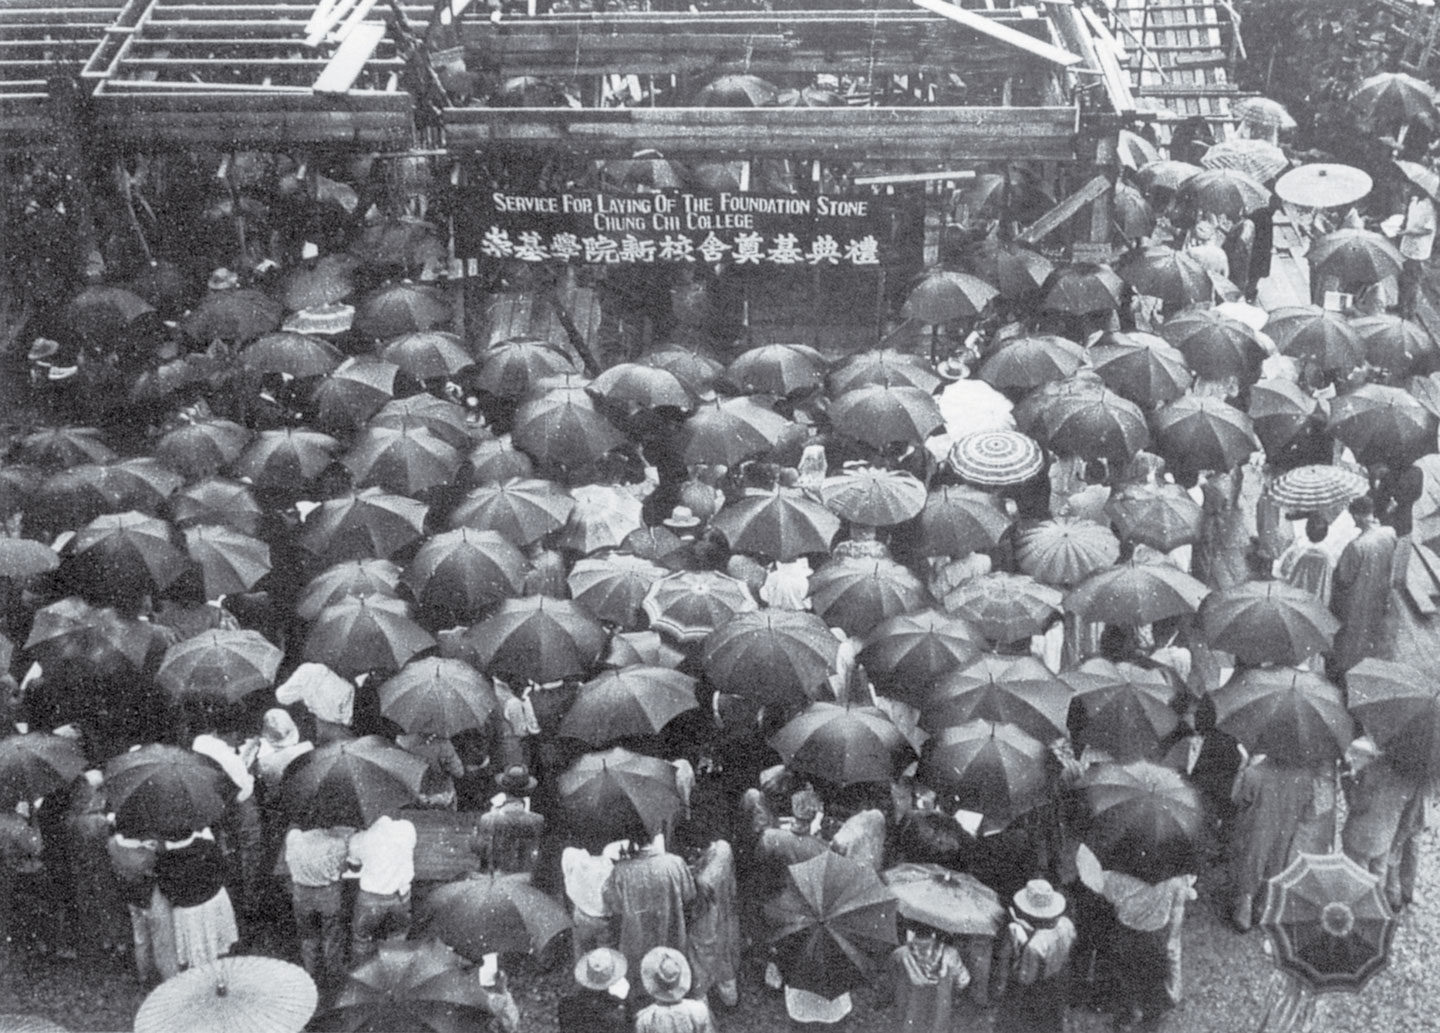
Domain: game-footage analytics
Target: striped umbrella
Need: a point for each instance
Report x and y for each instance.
(1309, 489)
(1261, 160)
(996, 458)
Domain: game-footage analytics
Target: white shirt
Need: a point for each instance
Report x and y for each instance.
(385, 853)
(1420, 215)
(220, 752)
(585, 874)
(325, 694)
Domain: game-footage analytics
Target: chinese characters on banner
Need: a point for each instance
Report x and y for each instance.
(730, 229)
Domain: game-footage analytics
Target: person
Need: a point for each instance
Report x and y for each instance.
(190, 873)
(280, 744)
(647, 894)
(1416, 244)
(499, 1001)
(598, 1006)
(714, 926)
(241, 828)
(1385, 814)
(1220, 556)
(925, 975)
(1144, 949)
(382, 859)
(1308, 564)
(665, 975)
(585, 874)
(1034, 962)
(1360, 592)
(329, 698)
(442, 767)
(315, 859)
(519, 724)
(507, 837)
(133, 861)
(787, 585)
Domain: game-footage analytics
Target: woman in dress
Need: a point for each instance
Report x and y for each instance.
(189, 872)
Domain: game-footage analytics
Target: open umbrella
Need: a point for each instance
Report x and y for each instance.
(617, 794)
(1313, 489)
(1383, 424)
(1005, 607)
(365, 633)
(351, 782)
(494, 461)
(522, 510)
(953, 902)
(996, 769)
(613, 586)
(737, 91)
(99, 313)
(1019, 690)
(1081, 288)
(216, 501)
(315, 284)
(631, 386)
(882, 366)
(958, 520)
(906, 653)
(536, 638)
(604, 515)
(1013, 269)
(238, 314)
(830, 919)
(779, 525)
(1282, 412)
(1065, 550)
(1132, 214)
(230, 664)
(1129, 710)
(1095, 426)
(1166, 174)
(36, 764)
(696, 371)
(243, 994)
(563, 427)
(347, 579)
(1136, 593)
(1162, 516)
(72, 636)
(353, 392)
(1262, 112)
(428, 354)
(491, 914)
(1328, 922)
(943, 296)
(229, 562)
(1317, 334)
(1295, 716)
(634, 700)
(659, 545)
(777, 369)
(873, 496)
(159, 790)
(689, 604)
(81, 493)
(201, 448)
(1032, 360)
(729, 430)
(295, 355)
(462, 573)
(58, 447)
(771, 656)
(22, 558)
(842, 744)
(1422, 176)
(1267, 622)
(1142, 367)
(1394, 344)
(512, 368)
(1161, 272)
(1261, 160)
(425, 987)
(1215, 345)
(1323, 185)
(857, 594)
(128, 553)
(1399, 708)
(284, 460)
(402, 308)
(881, 415)
(1223, 192)
(1200, 432)
(438, 696)
(1354, 255)
(366, 524)
(996, 458)
(1144, 819)
(445, 419)
(1391, 98)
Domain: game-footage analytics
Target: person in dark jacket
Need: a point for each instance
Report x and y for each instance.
(598, 1006)
(190, 873)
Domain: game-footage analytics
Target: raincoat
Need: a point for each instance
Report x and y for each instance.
(925, 986)
(714, 927)
(648, 894)
(1280, 812)
(1360, 596)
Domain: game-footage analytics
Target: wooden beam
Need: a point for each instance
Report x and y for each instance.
(350, 58)
(1065, 210)
(914, 177)
(1003, 33)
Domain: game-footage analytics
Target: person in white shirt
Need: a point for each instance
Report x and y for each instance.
(240, 832)
(329, 697)
(585, 875)
(1417, 242)
(382, 858)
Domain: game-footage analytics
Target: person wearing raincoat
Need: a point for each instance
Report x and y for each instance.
(1385, 815)
(1360, 595)
(1034, 962)
(924, 975)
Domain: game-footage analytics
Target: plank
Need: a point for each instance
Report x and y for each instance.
(1005, 34)
(1065, 210)
(350, 58)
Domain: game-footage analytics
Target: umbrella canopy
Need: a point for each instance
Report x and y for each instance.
(1320, 335)
(351, 782)
(563, 427)
(1268, 622)
(425, 987)
(943, 296)
(696, 371)
(462, 573)
(612, 587)
(365, 633)
(36, 764)
(882, 366)
(1164, 174)
(1083, 287)
(1295, 716)
(618, 794)
(634, 700)
(1013, 269)
(1131, 212)
(1422, 176)
(315, 284)
(244, 994)
(631, 386)
(953, 902)
(1394, 344)
(58, 447)
(75, 496)
(689, 604)
(873, 496)
(1312, 489)
(364, 524)
(513, 368)
(1005, 607)
(125, 552)
(353, 392)
(159, 790)
(1065, 550)
(1018, 690)
(1328, 922)
(1144, 819)
(1282, 412)
(996, 458)
(958, 520)
(99, 313)
(438, 696)
(238, 314)
(1129, 710)
(536, 638)
(1161, 272)
(1133, 151)
(447, 420)
(229, 562)
(777, 369)
(494, 461)
(1261, 160)
(1262, 112)
(71, 634)
(402, 308)
(1136, 593)
(350, 578)
(772, 656)
(658, 545)
(831, 916)
(906, 653)
(1392, 98)
(880, 414)
(1161, 516)
(1323, 185)
(1142, 367)
(286, 459)
(404, 241)
(1383, 424)
(1223, 191)
(1095, 426)
(737, 91)
(996, 770)
(857, 594)
(493, 914)
(295, 355)
(1026, 362)
(1399, 707)
(229, 664)
(843, 745)
(201, 448)
(604, 515)
(1201, 432)
(1214, 345)
(217, 501)
(522, 509)
(729, 430)
(22, 558)
(780, 525)
(428, 354)
(1354, 255)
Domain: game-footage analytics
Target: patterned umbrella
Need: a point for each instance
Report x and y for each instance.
(244, 994)
(1005, 607)
(1261, 160)
(996, 458)
(1312, 489)
(689, 604)
(873, 496)
(1064, 551)
(1328, 922)
(1295, 716)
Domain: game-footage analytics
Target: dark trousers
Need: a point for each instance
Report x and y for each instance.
(320, 926)
(377, 917)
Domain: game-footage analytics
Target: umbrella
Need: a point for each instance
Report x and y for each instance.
(1013, 269)
(100, 313)
(295, 355)
(1282, 412)
(780, 525)
(445, 419)
(696, 371)
(490, 914)
(1004, 607)
(645, 171)
(1065, 551)
(1354, 255)
(1131, 212)
(1395, 344)
(402, 308)
(1267, 622)
(604, 515)
(953, 902)
(1095, 425)
(1328, 922)
(1261, 160)
(365, 524)
(658, 545)
(22, 558)
(428, 354)
(354, 391)
(689, 604)
(494, 461)
(315, 284)
(1200, 432)
(59, 447)
(1136, 593)
(1422, 176)
(438, 696)
(880, 415)
(1323, 185)
(1129, 710)
(1312, 489)
(1383, 424)
(424, 987)
(1032, 360)
(1295, 716)
(958, 520)
(882, 366)
(244, 994)
(1161, 516)
(36, 764)
(81, 493)
(617, 793)
(1140, 366)
(1164, 175)
(996, 770)
(996, 458)
(1173, 276)
(942, 296)
(635, 700)
(1262, 112)
(1083, 287)
(536, 638)
(407, 462)
(522, 510)
(777, 369)
(1223, 191)
(1319, 335)
(365, 633)
(1133, 151)
(462, 573)
(1144, 819)
(201, 448)
(1394, 97)
(830, 917)
(511, 369)
(238, 314)
(229, 562)
(771, 656)
(843, 745)
(284, 460)
(737, 91)
(128, 552)
(906, 653)
(857, 594)
(873, 496)
(613, 586)
(348, 579)
(1399, 708)
(351, 782)
(71, 634)
(562, 426)
(1214, 345)
(730, 430)
(405, 241)
(17, 483)
(633, 385)
(1018, 690)
(160, 790)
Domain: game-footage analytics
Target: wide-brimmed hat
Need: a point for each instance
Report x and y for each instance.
(1039, 900)
(222, 279)
(601, 968)
(681, 517)
(516, 780)
(665, 974)
(42, 348)
(953, 368)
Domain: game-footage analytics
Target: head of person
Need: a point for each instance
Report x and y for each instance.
(1316, 528)
(278, 729)
(516, 780)
(602, 970)
(665, 974)
(1039, 902)
(1362, 510)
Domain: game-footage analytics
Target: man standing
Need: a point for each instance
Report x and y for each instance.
(383, 858)
(1417, 241)
(316, 862)
(648, 892)
(1360, 592)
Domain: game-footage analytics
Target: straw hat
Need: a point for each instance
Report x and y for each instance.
(665, 974)
(953, 368)
(681, 517)
(600, 969)
(516, 780)
(42, 348)
(222, 279)
(1039, 900)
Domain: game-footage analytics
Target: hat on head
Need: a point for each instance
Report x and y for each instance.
(43, 348)
(665, 974)
(222, 279)
(681, 517)
(600, 969)
(805, 804)
(953, 368)
(516, 780)
(1039, 900)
